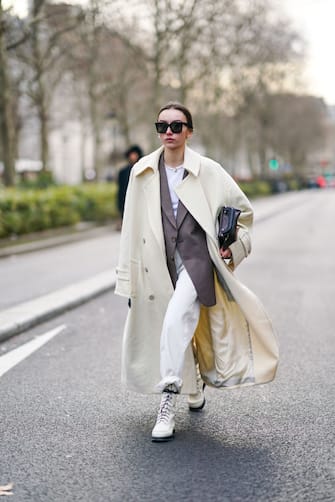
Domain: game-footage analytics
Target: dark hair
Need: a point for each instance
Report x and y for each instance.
(178, 106)
(134, 148)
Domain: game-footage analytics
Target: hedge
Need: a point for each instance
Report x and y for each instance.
(23, 211)
(254, 189)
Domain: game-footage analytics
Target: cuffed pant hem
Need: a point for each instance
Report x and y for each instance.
(167, 381)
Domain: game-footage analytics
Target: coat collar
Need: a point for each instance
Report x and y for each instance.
(192, 162)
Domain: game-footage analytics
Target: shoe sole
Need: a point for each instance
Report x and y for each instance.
(198, 408)
(162, 439)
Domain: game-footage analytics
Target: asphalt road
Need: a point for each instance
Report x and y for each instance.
(69, 432)
(27, 276)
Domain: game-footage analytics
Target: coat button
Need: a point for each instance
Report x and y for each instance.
(146, 269)
(151, 297)
(173, 239)
(143, 241)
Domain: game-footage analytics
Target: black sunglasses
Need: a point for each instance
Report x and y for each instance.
(176, 126)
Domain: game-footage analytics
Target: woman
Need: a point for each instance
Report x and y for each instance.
(190, 322)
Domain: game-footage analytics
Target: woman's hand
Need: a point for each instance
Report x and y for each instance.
(225, 253)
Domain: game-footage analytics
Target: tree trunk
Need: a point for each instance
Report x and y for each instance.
(43, 119)
(40, 97)
(96, 128)
(6, 122)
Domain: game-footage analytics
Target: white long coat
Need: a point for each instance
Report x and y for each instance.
(234, 341)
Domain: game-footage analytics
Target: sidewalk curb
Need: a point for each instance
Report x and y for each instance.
(26, 315)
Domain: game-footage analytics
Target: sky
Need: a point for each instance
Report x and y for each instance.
(315, 20)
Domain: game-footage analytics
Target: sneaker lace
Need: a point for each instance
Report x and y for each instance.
(165, 407)
(200, 384)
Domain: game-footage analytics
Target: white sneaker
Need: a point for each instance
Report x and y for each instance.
(197, 401)
(164, 427)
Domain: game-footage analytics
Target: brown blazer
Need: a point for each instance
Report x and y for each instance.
(185, 234)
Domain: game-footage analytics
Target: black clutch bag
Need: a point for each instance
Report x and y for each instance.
(227, 226)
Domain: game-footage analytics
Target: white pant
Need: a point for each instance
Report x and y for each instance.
(180, 321)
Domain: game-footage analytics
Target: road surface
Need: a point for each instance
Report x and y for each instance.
(69, 432)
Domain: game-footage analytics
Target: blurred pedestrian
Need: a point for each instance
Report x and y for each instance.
(191, 322)
(133, 154)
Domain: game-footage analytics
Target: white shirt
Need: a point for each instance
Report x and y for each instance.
(174, 177)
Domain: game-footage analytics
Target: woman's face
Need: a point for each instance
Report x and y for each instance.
(169, 139)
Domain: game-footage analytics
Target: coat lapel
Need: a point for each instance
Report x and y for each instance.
(181, 211)
(151, 190)
(192, 196)
(148, 168)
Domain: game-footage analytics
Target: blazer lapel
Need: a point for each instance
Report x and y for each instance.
(165, 193)
(181, 211)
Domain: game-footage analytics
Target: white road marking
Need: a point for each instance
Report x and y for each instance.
(14, 357)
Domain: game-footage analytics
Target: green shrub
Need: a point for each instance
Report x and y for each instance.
(257, 188)
(294, 184)
(26, 210)
(97, 202)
